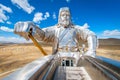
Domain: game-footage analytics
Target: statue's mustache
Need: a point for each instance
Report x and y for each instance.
(65, 20)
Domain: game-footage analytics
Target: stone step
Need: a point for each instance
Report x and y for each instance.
(71, 73)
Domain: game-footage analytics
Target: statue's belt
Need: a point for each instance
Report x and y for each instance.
(66, 49)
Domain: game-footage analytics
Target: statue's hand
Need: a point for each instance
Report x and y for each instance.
(22, 28)
(91, 53)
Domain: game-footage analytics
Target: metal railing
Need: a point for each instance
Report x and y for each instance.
(105, 69)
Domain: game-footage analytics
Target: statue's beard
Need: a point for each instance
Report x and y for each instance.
(65, 23)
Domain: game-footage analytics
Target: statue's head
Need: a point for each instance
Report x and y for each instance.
(64, 17)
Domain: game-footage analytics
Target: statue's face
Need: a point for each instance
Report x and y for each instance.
(65, 18)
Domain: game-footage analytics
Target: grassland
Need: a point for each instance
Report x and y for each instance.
(13, 56)
(17, 55)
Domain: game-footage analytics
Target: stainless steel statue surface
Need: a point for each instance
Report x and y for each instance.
(64, 35)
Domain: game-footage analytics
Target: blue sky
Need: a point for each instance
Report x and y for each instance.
(102, 16)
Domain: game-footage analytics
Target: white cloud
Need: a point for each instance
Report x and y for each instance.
(54, 16)
(3, 28)
(111, 33)
(68, 1)
(8, 22)
(2, 7)
(24, 5)
(3, 10)
(46, 15)
(38, 17)
(85, 26)
(13, 39)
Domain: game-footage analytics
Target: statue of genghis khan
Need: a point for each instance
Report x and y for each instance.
(64, 35)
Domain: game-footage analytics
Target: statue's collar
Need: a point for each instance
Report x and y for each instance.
(69, 26)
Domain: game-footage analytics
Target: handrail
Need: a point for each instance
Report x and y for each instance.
(109, 72)
(54, 64)
(31, 70)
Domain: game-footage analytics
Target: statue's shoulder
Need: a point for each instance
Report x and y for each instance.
(81, 27)
(78, 27)
(49, 28)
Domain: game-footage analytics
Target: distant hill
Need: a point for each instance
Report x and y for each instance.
(2, 43)
(5, 43)
(109, 41)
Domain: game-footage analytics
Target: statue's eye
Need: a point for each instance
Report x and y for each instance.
(65, 14)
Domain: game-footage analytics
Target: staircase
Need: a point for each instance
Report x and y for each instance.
(71, 73)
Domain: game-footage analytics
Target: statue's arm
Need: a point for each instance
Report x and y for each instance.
(90, 38)
(46, 34)
(23, 28)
